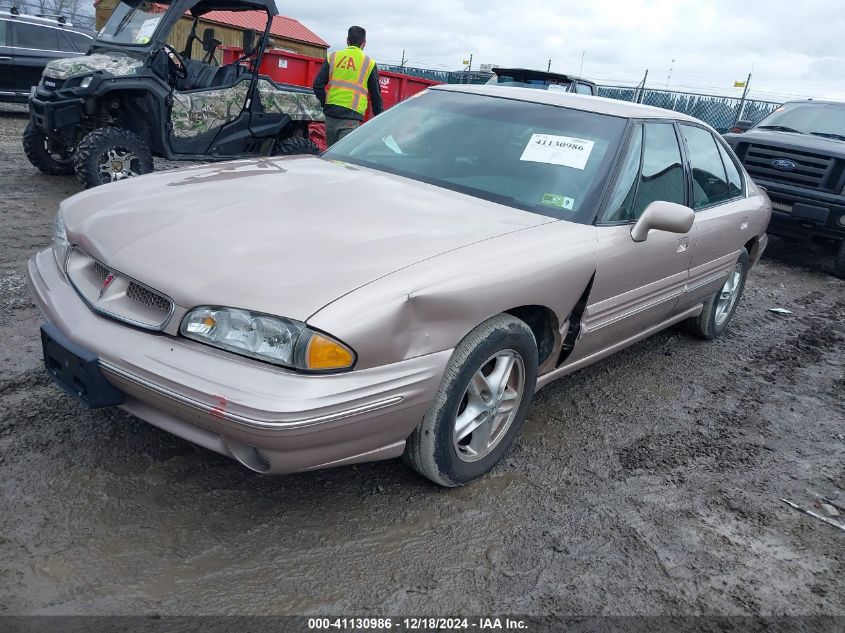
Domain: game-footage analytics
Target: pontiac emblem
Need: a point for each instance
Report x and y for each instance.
(106, 283)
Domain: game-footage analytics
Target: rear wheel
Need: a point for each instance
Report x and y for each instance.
(720, 308)
(47, 155)
(295, 145)
(110, 154)
(480, 405)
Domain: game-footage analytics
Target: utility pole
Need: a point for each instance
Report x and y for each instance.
(671, 68)
(469, 68)
(581, 72)
(402, 65)
(641, 92)
(549, 67)
(741, 107)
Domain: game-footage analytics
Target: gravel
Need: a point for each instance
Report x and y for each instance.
(646, 484)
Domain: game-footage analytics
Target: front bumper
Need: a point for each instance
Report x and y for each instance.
(797, 214)
(55, 118)
(270, 419)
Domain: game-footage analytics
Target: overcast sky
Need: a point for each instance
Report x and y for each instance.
(796, 48)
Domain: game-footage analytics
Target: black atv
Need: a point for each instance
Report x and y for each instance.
(105, 115)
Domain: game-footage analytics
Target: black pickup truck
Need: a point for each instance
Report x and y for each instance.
(797, 153)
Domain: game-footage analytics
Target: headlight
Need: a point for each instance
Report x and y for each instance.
(269, 338)
(86, 81)
(60, 243)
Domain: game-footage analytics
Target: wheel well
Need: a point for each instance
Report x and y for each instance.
(752, 246)
(543, 324)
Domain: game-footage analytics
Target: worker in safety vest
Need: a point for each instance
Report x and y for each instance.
(346, 84)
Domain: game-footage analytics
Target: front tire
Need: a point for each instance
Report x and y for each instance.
(720, 308)
(110, 154)
(480, 406)
(295, 146)
(50, 157)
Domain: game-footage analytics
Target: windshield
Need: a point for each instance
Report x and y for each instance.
(526, 82)
(132, 22)
(541, 158)
(821, 119)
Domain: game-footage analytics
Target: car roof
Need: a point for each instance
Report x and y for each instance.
(44, 21)
(600, 105)
(825, 101)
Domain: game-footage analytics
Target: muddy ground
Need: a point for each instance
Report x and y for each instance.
(646, 484)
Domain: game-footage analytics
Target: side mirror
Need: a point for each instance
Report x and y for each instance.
(741, 126)
(663, 216)
(249, 42)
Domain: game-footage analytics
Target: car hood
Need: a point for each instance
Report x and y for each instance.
(282, 236)
(790, 140)
(115, 64)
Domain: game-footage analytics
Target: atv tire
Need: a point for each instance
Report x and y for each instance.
(295, 146)
(50, 158)
(109, 154)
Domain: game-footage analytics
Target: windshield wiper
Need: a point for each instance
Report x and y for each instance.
(839, 137)
(779, 128)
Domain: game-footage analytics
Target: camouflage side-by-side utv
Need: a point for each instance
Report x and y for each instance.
(134, 96)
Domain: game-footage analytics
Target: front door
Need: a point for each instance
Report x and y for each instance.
(637, 284)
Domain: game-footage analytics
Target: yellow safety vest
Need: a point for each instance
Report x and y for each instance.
(349, 71)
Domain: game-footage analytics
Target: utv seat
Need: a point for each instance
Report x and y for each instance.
(228, 75)
(199, 76)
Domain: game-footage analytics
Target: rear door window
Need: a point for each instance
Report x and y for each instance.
(734, 178)
(32, 36)
(3, 40)
(709, 180)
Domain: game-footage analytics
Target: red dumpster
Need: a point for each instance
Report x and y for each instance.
(300, 70)
(294, 69)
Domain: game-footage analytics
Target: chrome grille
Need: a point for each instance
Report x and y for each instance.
(810, 169)
(113, 294)
(138, 293)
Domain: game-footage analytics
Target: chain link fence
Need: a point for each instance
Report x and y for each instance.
(719, 112)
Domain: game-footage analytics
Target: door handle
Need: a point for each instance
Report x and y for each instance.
(5, 59)
(683, 245)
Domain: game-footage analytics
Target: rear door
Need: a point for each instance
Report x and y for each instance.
(637, 284)
(722, 212)
(35, 45)
(6, 58)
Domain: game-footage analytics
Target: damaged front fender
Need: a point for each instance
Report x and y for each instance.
(430, 306)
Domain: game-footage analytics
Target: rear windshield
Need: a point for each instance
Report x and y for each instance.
(132, 23)
(527, 82)
(540, 158)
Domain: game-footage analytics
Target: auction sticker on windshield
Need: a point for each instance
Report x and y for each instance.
(558, 150)
(146, 31)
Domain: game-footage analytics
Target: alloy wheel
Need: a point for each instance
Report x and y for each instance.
(117, 163)
(489, 405)
(728, 295)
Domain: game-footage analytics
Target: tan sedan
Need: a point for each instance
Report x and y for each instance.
(407, 292)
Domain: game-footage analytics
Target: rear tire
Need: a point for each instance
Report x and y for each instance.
(720, 308)
(110, 154)
(295, 146)
(839, 264)
(480, 406)
(48, 156)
